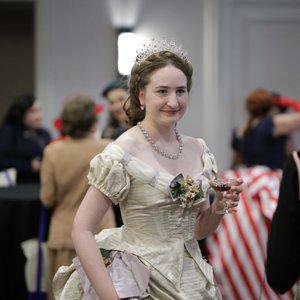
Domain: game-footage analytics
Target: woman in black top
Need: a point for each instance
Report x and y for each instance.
(265, 139)
(22, 139)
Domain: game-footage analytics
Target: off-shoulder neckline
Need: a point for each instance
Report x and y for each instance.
(146, 165)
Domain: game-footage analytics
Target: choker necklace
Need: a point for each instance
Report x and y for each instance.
(157, 149)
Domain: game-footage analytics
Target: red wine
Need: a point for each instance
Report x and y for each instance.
(220, 186)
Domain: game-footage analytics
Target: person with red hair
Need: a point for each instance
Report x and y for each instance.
(237, 250)
(264, 137)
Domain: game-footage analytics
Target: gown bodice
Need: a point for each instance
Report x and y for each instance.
(156, 227)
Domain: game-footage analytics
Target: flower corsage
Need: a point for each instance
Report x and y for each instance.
(186, 190)
(106, 257)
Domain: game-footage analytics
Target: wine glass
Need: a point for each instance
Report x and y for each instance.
(223, 185)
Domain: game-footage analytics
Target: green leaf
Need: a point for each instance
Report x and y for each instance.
(200, 194)
(175, 193)
(104, 252)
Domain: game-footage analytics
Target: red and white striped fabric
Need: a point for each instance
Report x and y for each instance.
(237, 249)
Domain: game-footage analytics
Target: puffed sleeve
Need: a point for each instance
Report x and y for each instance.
(211, 168)
(110, 177)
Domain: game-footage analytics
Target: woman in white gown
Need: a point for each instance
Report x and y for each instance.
(155, 254)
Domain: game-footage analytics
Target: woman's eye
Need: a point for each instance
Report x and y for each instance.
(180, 92)
(162, 92)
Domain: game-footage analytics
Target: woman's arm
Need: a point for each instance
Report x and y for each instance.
(48, 190)
(209, 219)
(91, 211)
(286, 123)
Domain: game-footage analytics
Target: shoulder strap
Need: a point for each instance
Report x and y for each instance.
(297, 162)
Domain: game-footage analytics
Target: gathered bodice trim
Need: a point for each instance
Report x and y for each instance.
(147, 174)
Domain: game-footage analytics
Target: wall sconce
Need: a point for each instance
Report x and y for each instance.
(128, 44)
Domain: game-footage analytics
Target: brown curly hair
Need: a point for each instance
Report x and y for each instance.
(258, 104)
(139, 79)
(78, 115)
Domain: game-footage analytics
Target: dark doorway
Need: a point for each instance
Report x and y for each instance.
(16, 51)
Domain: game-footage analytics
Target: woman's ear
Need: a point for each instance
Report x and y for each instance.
(142, 97)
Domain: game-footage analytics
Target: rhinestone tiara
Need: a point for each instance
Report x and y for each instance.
(157, 46)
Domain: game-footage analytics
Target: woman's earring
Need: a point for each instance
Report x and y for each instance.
(142, 107)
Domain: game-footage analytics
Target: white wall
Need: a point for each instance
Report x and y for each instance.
(75, 51)
(234, 45)
(76, 45)
(183, 22)
(259, 47)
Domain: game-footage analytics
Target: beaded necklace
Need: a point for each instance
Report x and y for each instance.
(159, 150)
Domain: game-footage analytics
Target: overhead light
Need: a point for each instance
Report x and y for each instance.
(128, 44)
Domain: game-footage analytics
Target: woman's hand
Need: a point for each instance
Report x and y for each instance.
(228, 200)
(36, 164)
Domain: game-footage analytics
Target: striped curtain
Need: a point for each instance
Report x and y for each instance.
(237, 249)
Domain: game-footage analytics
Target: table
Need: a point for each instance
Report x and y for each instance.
(19, 219)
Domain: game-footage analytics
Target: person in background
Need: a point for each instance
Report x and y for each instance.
(160, 178)
(283, 247)
(64, 181)
(22, 138)
(116, 93)
(57, 124)
(265, 137)
(237, 250)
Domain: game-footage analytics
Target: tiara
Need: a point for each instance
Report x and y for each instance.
(158, 46)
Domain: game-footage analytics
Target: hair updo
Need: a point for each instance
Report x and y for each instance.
(140, 76)
(259, 102)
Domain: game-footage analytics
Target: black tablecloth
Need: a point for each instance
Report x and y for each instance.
(19, 219)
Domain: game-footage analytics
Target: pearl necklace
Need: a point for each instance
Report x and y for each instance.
(157, 149)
